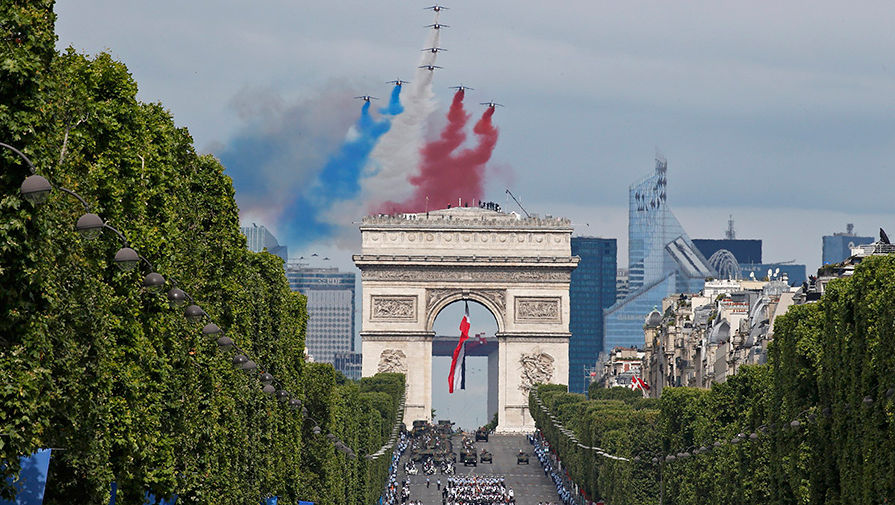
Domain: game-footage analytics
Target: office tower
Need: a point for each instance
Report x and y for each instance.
(592, 289)
(662, 260)
(837, 247)
(259, 238)
(330, 296)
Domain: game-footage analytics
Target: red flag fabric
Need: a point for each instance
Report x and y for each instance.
(455, 376)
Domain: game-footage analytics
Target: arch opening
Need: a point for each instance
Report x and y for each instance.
(474, 405)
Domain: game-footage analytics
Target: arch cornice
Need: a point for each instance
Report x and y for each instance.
(493, 299)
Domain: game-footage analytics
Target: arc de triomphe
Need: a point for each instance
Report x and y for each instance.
(414, 265)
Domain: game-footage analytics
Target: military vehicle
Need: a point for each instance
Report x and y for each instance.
(469, 458)
(481, 434)
(521, 458)
(485, 457)
(444, 427)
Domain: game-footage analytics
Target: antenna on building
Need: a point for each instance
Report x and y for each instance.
(730, 234)
(517, 203)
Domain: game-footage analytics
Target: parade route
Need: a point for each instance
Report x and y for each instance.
(528, 482)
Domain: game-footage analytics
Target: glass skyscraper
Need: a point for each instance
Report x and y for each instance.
(330, 294)
(259, 238)
(662, 261)
(592, 289)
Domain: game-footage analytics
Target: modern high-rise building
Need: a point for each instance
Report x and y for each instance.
(592, 289)
(349, 363)
(331, 309)
(837, 247)
(259, 238)
(621, 283)
(662, 260)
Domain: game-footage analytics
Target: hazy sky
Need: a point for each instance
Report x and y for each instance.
(781, 115)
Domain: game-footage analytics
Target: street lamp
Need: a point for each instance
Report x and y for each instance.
(153, 282)
(177, 297)
(127, 259)
(194, 313)
(36, 189)
(89, 226)
(211, 329)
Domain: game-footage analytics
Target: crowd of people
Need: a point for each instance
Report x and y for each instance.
(551, 468)
(477, 490)
(393, 494)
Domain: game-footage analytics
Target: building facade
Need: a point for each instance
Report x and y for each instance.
(695, 340)
(837, 247)
(662, 260)
(331, 309)
(618, 367)
(592, 289)
(259, 238)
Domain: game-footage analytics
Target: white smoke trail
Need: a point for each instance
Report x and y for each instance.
(397, 155)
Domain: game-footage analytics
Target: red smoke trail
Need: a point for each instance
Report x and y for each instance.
(445, 176)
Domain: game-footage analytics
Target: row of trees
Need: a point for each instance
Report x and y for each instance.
(816, 424)
(111, 376)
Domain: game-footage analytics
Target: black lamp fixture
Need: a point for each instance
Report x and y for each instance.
(153, 282)
(127, 259)
(36, 189)
(239, 360)
(90, 226)
(177, 297)
(282, 395)
(266, 378)
(194, 313)
(211, 329)
(225, 342)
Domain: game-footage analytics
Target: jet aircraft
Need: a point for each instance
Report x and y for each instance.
(436, 8)
(461, 87)
(491, 105)
(434, 49)
(437, 26)
(397, 82)
(366, 98)
(429, 67)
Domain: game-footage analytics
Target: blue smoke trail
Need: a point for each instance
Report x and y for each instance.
(339, 179)
(394, 104)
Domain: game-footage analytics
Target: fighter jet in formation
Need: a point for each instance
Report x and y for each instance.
(429, 67)
(461, 87)
(437, 26)
(491, 105)
(434, 49)
(366, 98)
(397, 82)
(436, 8)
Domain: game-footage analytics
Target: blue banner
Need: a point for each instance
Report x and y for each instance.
(32, 480)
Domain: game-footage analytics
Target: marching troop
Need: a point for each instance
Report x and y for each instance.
(477, 490)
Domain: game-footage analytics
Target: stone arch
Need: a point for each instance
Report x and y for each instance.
(492, 299)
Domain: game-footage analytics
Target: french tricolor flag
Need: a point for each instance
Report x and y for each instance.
(457, 375)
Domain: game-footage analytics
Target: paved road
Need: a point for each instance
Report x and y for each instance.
(528, 482)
